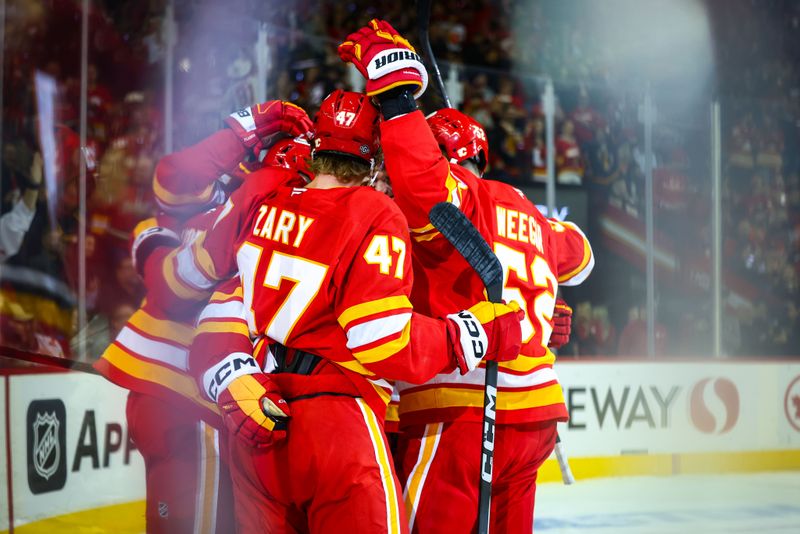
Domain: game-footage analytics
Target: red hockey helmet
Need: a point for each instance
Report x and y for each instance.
(291, 154)
(347, 124)
(460, 137)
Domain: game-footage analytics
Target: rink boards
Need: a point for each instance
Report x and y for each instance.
(671, 417)
(66, 455)
(67, 460)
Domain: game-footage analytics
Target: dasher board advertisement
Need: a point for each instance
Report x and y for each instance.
(69, 446)
(619, 408)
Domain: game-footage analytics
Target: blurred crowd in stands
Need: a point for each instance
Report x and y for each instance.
(495, 55)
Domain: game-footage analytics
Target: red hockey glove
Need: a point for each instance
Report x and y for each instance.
(258, 125)
(485, 331)
(251, 405)
(562, 325)
(384, 58)
(147, 236)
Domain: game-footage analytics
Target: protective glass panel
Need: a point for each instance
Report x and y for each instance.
(95, 93)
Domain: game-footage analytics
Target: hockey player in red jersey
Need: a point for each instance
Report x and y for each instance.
(442, 159)
(172, 424)
(324, 271)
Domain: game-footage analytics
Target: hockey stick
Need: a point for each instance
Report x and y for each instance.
(423, 20)
(468, 242)
(50, 361)
(563, 462)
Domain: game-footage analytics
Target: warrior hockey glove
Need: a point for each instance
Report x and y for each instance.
(251, 405)
(562, 325)
(488, 331)
(148, 236)
(384, 58)
(259, 125)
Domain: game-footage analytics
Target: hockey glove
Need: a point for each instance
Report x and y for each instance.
(562, 325)
(384, 58)
(488, 331)
(149, 235)
(251, 405)
(259, 125)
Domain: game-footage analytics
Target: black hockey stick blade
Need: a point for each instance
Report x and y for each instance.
(423, 23)
(468, 242)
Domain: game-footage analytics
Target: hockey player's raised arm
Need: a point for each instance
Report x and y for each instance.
(421, 176)
(192, 179)
(187, 181)
(189, 273)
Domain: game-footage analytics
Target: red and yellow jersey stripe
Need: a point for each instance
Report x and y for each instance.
(537, 255)
(150, 355)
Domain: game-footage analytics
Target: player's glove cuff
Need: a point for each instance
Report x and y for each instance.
(243, 123)
(488, 330)
(219, 377)
(396, 67)
(469, 340)
(147, 240)
(397, 102)
(250, 404)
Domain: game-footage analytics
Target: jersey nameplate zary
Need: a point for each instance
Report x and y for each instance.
(281, 225)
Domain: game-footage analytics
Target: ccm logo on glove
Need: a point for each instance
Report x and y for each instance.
(221, 375)
(474, 333)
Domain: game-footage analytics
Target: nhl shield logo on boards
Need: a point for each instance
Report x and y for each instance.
(46, 432)
(46, 456)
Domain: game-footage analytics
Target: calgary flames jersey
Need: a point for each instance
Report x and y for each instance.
(324, 271)
(150, 354)
(537, 255)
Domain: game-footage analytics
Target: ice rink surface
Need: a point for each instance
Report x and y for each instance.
(755, 502)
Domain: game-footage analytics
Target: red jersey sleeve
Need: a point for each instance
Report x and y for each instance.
(574, 257)
(383, 332)
(187, 181)
(188, 274)
(222, 333)
(421, 176)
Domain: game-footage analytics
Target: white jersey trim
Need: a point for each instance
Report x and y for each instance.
(154, 350)
(478, 378)
(584, 273)
(365, 333)
(223, 310)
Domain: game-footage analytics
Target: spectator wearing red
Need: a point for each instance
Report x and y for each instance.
(569, 161)
(586, 119)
